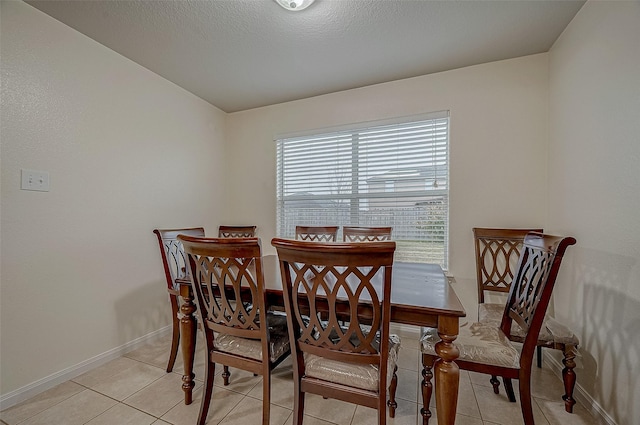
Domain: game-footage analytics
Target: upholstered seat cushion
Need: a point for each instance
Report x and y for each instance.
(551, 331)
(478, 343)
(252, 348)
(354, 375)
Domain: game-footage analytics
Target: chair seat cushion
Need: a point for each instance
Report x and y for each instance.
(354, 375)
(551, 331)
(478, 343)
(252, 348)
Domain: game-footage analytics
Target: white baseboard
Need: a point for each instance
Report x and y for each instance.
(21, 394)
(580, 395)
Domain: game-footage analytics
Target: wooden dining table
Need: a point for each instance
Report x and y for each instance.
(420, 296)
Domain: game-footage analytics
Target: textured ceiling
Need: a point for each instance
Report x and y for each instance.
(242, 54)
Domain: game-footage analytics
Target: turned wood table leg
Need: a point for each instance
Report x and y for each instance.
(446, 371)
(188, 340)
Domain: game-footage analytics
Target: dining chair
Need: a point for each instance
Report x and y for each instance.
(497, 254)
(366, 234)
(174, 262)
(236, 231)
(351, 282)
(240, 330)
(485, 348)
(317, 233)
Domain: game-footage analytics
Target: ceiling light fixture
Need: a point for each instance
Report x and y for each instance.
(295, 5)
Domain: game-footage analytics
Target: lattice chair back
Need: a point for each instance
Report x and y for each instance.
(317, 233)
(366, 234)
(337, 299)
(236, 231)
(497, 254)
(533, 284)
(174, 265)
(173, 256)
(228, 281)
(228, 284)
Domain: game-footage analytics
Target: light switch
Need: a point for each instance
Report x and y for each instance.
(35, 180)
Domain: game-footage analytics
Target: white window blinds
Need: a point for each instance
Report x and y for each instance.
(376, 175)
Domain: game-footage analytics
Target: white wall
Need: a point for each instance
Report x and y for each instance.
(498, 144)
(594, 195)
(127, 151)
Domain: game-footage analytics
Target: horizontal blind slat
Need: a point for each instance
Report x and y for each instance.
(386, 175)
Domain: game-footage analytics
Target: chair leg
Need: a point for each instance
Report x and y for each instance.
(508, 388)
(525, 396)
(266, 398)
(298, 404)
(207, 392)
(495, 383)
(539, 355)
(569, 376)
(427, 388)
(175, 342)
(382, 409)
(226, 375)
(392, 394)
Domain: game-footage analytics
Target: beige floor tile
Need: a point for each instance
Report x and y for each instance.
(155, 352)
(498, 409)
(545, 384)
(120, 378)
(39, 403)
(308, 420)
(409, 382)
(405, 415)
(160, 422)
(409, 358)
(281, 391)
(222, 402)
(556, 415)
(121, 414)
(483, 379)
(249, 411)
(77, 409)
(467, 403)
(241, 381)
(334, 411)
(160, 396)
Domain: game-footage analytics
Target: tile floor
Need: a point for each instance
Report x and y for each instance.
(136, 390)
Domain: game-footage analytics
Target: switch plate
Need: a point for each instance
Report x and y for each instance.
(35, 180)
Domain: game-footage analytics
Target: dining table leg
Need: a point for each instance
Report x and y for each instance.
(187, 340)
(446, 371)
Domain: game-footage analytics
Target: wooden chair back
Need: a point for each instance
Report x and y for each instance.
(497, 254)
(337, 299)
(230, 270)
(532, 286)
(366, 234)
(317, 233)
(236, 231)
(533, 281)
(228, 281)
(175, 267)
(174, 259)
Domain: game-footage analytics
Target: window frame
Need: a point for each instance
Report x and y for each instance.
(435, 196)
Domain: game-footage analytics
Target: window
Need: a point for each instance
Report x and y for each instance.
(373, 174)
